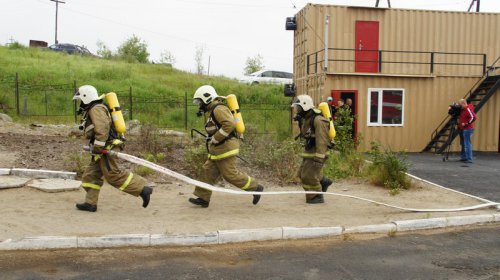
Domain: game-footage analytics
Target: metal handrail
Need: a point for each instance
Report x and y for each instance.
(314, 57)
(440, 126)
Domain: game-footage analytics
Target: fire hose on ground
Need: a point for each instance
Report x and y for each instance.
(203, 185)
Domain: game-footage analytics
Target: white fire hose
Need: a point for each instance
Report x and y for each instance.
(203, 185)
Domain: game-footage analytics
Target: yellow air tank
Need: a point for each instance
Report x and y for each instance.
(232, 103)
(116, 112)
(325, 111)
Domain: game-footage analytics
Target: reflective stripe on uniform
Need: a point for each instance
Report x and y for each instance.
(319, 155)
(90, 127)
(311, 188)
(224, 155)
(311, 155)
(223, 133)
(99, 143)
(247, 184)
(307, 155)
(127, 182)
(91, 186)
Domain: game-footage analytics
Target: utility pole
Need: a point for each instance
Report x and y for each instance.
(472, 4)
(57, 10)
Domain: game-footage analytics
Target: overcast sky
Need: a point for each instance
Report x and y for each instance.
(230, 31)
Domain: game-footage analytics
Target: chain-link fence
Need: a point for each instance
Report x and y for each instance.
(179, 113)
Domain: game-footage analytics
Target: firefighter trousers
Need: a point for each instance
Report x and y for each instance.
(310, 174)
(92, 179)
(226, 168)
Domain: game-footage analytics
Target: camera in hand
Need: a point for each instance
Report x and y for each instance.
(454, 110)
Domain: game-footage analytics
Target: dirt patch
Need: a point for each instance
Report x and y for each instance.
(29, 212)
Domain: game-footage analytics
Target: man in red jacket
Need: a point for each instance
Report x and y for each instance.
(466, 129)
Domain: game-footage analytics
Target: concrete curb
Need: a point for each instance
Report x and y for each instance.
(5, 171)
(244, 235)
(241, 235)
(42, 174)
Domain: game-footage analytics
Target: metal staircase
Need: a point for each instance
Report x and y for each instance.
(479, 94)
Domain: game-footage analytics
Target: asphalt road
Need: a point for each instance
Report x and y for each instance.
(481, 178)
(466, 254)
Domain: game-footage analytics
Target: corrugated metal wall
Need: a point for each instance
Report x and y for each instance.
(426, 99)
(426, 103)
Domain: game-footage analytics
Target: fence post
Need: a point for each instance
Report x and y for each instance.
(432, 62)
(130, 101)
(17, 93)
(185, 111)
(74, 102)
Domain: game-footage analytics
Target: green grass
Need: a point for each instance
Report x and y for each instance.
(44, 67)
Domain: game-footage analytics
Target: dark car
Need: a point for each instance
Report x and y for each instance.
(70, 49)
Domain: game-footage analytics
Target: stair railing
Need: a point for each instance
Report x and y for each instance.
(469, 93)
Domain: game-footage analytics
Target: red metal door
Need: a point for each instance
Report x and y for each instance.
(366, 54)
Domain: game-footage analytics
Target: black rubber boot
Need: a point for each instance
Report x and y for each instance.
(199, 201)
(325, 183)
(256, 197)
(146, 195)
(315, 200)
(86, 207)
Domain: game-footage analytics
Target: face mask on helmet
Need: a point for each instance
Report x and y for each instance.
(201, 106)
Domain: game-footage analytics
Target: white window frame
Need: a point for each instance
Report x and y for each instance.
(379, 113)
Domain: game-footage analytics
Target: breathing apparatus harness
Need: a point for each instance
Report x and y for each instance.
(114, 138)
(310, 141)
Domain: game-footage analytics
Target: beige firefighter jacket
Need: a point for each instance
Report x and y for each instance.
(223, 143)
(316, 131)
(97, 125)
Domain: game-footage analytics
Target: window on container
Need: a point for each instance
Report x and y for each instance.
(385, 107)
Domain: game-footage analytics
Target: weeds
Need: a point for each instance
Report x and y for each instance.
(388, 169)
(195, 156)
(77, 162)
(279, 158)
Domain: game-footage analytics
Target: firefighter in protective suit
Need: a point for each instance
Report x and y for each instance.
(99, 129)
(314, 129)
(223, 147)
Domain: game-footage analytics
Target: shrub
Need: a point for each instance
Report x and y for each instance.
(279, 158)
(344, 142)
(16, 46)
(388, 169)
(195, 156)
(343, 166)
(77, 162)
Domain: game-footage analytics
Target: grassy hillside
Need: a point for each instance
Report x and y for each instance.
(167, 85)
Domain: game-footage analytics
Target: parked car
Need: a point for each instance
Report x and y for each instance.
(70, 49)
(268, 77)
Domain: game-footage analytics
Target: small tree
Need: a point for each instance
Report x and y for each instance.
(103, 51)
(134, 50)
(167, 57)
(254, 64)
(198, 58)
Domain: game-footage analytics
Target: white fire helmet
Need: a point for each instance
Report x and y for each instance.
(86, 94)
(205, 94)
(304, 101)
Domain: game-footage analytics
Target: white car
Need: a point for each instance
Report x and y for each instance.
(268, 77)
